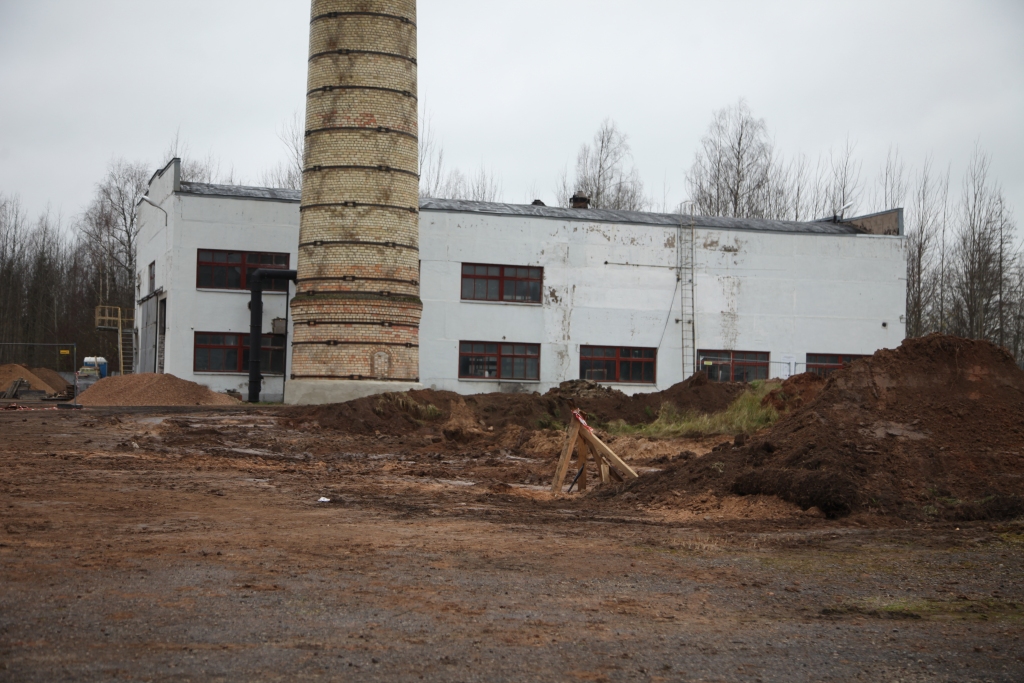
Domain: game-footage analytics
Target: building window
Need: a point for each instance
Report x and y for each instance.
(489, 360)
(218, 269)
(229, 352)
(501, 283)
(825, 364)
(152, 277)
(734, 366)
(618, 364)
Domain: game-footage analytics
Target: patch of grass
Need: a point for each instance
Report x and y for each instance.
(744, 415)
(550, 422)
(408, 405)
(887, 608)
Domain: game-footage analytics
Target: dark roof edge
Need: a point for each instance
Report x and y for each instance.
(636, 218)
(264, 194)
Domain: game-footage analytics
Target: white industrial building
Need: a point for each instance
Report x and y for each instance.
(521, 298)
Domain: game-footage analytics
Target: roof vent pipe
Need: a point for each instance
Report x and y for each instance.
(580, 201)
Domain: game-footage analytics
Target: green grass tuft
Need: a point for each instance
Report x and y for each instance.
(408, 405)
(744, 415)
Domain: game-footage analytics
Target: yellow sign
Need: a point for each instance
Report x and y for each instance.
(707, 362)
(65, 352)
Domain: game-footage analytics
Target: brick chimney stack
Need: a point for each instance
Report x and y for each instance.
(357, 305)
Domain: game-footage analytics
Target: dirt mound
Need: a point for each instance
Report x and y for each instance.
(460, 417)
(795, 392)
(463, 417)
(150, 389)
(51, 377)
(602, 404)
(933, 429)
(12, 371)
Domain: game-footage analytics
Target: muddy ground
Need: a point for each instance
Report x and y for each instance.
(163, 544)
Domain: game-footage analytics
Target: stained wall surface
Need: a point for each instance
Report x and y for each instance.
(784, 294)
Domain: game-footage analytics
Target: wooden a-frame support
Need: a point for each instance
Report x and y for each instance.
(585, 442)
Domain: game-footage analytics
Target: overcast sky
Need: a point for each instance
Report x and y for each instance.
(515, 86)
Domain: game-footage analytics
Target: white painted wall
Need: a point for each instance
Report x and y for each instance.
(781, 293)
(200, 222)
(797, 294)
(785, 294)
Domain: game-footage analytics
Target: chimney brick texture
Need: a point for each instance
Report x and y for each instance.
(357, 304)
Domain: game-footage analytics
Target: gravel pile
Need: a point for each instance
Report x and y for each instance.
(151, 389)
(11, 372)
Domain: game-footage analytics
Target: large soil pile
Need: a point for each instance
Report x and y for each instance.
(795, 392)
(150, 389)
(410, 411)
(51, 377)
(933, 429)
(11, 372)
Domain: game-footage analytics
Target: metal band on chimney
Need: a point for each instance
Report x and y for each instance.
(359, 214)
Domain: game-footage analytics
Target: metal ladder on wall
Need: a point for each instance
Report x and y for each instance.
(685, 254)
(127, 349)
(112, 318)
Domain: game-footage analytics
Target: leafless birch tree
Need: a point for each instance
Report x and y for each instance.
(602, 173)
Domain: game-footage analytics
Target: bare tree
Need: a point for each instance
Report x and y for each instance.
(440, 182)
(924, 225)
(288, 173)
(891, 187)
(110, 229)
(982, 255)
(196, 170)
(733, 169)
(841, 185)
(602, 175)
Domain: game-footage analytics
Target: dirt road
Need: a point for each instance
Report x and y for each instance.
(161, 545)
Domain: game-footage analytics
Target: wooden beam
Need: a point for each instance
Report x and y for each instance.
(563, 460)
(603, 467)
(608, 454)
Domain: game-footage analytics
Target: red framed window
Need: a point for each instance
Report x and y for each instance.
(492, 360)
(219, 269)
(519, 284)
(734, 366)
(825, 364)
(618, 364)
(229, 352)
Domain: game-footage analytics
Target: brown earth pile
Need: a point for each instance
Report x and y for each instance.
(795, 392)
(461, 417)
(933, 429)
(150, 389)
(51, 377)
(12, 371)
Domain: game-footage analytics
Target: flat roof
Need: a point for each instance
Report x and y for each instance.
(636, 217)
(276, 194)
(820, 227)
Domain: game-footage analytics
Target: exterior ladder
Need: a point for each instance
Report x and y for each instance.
(685, 255)
(112, 318)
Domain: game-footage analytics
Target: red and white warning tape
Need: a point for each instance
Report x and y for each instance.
(578, 416)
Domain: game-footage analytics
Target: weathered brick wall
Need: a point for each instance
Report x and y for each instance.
(357, 307)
